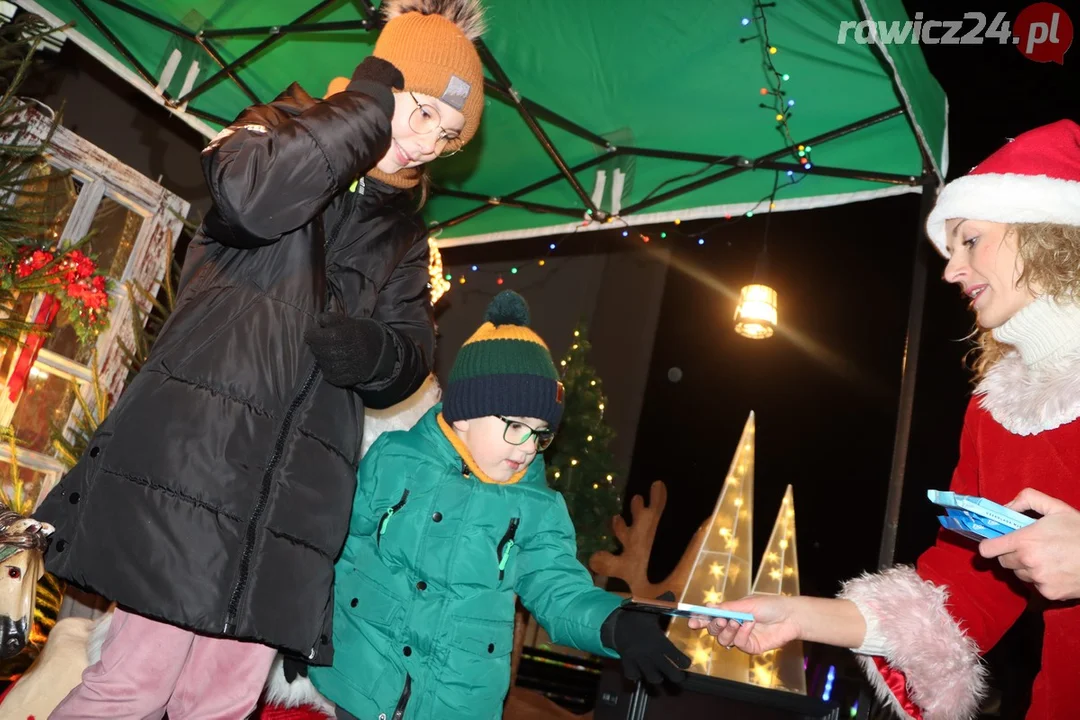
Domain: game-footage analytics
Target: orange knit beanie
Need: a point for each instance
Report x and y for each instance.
(431, 43)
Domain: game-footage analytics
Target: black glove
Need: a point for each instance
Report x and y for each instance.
(377, 77)
(351, 351)
(294, 668)
(643, 647)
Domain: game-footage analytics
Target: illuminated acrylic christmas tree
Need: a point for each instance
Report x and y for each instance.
(722, 568)
(778, 574)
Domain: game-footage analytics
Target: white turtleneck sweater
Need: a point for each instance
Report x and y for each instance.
(1043, 331)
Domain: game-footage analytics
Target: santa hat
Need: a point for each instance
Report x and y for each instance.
(1035, 178)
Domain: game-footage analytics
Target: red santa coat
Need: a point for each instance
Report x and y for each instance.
(931, 624)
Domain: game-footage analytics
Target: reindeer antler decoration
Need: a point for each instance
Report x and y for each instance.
(632, 564)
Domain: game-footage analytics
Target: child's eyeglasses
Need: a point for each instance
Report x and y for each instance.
(518, 433)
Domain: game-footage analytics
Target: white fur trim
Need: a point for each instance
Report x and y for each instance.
(401, 416)
(98, 633)
(945, 676)
(298, 693)
(1030, 400)
(1004, 198)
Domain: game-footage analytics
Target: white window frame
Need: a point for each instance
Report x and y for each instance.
(163, 218)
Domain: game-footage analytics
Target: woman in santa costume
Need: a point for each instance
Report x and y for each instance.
(1010, 230)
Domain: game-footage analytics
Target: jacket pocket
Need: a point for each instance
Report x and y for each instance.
(384, 521)
(479, 661)
(506, 544)
(366, 620)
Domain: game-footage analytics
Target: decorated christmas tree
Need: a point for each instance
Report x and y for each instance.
(580, 462)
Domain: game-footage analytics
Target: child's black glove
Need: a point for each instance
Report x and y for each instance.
(347, 349)
(377, 78)
(643, 646)
(294, 668)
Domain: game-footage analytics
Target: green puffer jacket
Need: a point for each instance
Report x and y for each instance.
(424, 590)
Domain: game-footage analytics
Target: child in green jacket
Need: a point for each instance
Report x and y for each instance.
(453, 519)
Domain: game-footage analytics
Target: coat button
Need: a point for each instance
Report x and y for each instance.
(74, 499)
(421, 585)
(491, 647)
(324, 639)
(94, 451)
(407, 651)
(437, 517)
(354, 602)
(61, 545)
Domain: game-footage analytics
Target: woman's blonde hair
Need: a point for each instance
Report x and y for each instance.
(1050, 255)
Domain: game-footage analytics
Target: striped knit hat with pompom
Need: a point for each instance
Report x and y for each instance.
(504, 369)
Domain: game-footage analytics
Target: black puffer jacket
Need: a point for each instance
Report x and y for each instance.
(216, 494)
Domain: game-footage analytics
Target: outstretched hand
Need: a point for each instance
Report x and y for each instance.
(1045, 553)
(773, 625)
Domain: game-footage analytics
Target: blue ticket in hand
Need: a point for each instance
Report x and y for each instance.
(684, 610)
(975, 517)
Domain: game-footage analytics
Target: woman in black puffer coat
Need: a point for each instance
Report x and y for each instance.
(215, 497)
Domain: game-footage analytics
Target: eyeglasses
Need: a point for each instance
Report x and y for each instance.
(425, 119)
(518, 433)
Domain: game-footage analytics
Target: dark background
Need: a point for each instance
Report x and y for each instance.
(825, 390)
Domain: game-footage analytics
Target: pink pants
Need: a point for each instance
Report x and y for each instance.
(148, 668)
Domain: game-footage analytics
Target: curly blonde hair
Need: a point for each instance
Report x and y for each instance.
(1051, 262)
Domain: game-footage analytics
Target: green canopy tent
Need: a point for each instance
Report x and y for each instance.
(592, 106)
(595, 111)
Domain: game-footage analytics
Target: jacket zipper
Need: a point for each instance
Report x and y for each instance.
(399, 711)
(279, 449)
(385, 519)
(504, 546)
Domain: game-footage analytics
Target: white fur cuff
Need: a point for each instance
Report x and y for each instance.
(908, 623)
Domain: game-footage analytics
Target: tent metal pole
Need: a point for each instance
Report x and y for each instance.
(910, 364)
(242, 60)
(510, 202)
(737, 161)
(745, 164)
(147, 17)
(208, 116)
(868, 175)
(550, 115)
(120, 47)
(212, 52)
(683, 189)
(517, 193)
(501, 77)
(291, 28)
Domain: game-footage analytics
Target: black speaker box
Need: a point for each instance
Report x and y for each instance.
(703, 697)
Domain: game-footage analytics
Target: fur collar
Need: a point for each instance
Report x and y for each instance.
(1028, 400)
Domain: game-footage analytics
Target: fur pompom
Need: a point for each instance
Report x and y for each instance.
(468, 15)
(918, 637)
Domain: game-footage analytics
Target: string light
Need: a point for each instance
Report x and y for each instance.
(782, 104)
(438, 284)
(781, 108)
